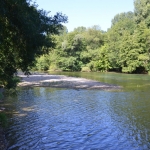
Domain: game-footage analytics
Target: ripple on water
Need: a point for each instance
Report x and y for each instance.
(73, 119)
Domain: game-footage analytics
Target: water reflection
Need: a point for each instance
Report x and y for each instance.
(134, 110)
(48, 118)
(134, 82)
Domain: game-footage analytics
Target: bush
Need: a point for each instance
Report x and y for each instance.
(54, 67)
(12, 82)
(85, 69)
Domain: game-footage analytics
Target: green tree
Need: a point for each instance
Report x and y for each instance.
(122, 16)
(117, 38)
(141, 47)
(142, 11)
(103, 64)
(71, 49)
(23, 36)
(80, 29)
(94, 37)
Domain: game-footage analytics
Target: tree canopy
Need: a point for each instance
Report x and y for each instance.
(124, 47)
(30, 37)
(25, 33)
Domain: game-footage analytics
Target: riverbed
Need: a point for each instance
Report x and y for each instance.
(62, 118)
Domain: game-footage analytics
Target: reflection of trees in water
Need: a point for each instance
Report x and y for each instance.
(130, 113)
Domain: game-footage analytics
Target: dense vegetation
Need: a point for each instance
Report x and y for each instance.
(125, 47)
(25, 33)
(31, 38)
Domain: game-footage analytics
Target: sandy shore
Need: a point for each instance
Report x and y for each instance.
(61, 81)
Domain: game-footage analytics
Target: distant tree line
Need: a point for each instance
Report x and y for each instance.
(125, 47)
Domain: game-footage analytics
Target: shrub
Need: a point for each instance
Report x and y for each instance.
(85, 69)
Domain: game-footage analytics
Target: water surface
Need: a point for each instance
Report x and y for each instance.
(49, 118)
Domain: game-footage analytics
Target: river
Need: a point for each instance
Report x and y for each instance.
(70, 119)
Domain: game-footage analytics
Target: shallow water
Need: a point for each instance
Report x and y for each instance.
(49, 118)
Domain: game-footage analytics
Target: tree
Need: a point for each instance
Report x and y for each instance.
(122, 16)
(71, 48)
(94, 37)
(141, 47)
(80, 29)
(103, 64)
(142, 11)
(119, 41)
(25, 33)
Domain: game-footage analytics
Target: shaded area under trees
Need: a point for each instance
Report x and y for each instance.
(25, 33)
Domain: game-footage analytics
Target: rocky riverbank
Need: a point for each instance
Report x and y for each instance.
(61, 81)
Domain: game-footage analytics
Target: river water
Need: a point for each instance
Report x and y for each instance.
(69, 119)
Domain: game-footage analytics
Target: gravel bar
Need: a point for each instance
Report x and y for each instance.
(61, 81)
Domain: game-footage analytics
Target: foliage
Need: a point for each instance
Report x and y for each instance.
(25, 33)
(124, 47)
(12, 83)
(142, 11)
(42, 63)
(85, 69)
(122, 16)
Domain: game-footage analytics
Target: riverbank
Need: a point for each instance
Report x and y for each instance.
(61, 81)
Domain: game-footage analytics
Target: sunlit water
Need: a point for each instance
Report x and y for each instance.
(48, 118)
